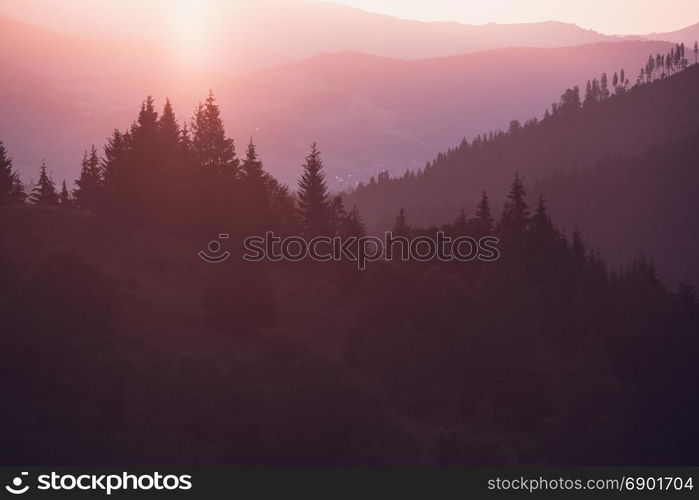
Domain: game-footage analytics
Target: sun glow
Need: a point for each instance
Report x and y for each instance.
(190, 30)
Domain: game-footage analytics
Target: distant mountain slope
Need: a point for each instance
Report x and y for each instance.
(623, 126)
(368, 113)
(287, 30)
(687, 35)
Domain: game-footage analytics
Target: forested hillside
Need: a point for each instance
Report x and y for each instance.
(122, 343)
(581, 130)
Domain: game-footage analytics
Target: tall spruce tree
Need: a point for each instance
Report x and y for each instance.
(483, 223)
(88, 191)
(44, 193)
(210, 146)
(253, 175)
(515, 214)
(255, 188)
(112, 169)
(352, 224)
(18, 195)
(337, 214)
(461, 223)
(64, 197)
(7, 176)
(578, 250)
(545, 248)
(169, 129)
(313, 196)
(541, 222)
(401, 227)
(141, 178)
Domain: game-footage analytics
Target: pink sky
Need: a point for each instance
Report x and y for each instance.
(615, 17)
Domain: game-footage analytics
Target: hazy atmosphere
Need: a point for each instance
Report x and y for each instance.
(366, 233)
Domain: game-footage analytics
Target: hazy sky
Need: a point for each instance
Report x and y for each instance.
(607, 16)
(612, 17)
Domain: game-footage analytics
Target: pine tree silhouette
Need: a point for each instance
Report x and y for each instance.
(515, 214)
(337, 214)
(87, 193)
(483, 222)
(313, 196)
(18, 195)
(64, 197)
(578, 250)
(113, 169)
(7, 176)
(541, 227)
(44, 193)
(254, 181)
(210, 146)
(169, 129)
(353, 225)
(461, 223)
(401, 227)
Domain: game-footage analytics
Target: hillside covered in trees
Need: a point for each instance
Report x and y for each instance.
(121, 345)
(613, 121)
(117, 330)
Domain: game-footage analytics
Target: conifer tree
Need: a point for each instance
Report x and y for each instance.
(313, 196)
(64, 197)
(252, 171)
(515, 214)
(484, 219)
(284, 215)
(18, 195)
(255, 188)
(113, 169)
(88, 190)
(589, 97)
(353, 225)
(7, 176)
(186, 146)
(545, 250)
(44, 193)
(461, 223)
(169, 129)
(541, 222)
(115, 155)
(210, 146)
(337, 214)
(687, 297)
(578, 250)
(401, 227)
(138, 181)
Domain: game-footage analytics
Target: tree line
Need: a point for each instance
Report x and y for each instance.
(571, 101)
(192, 175)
